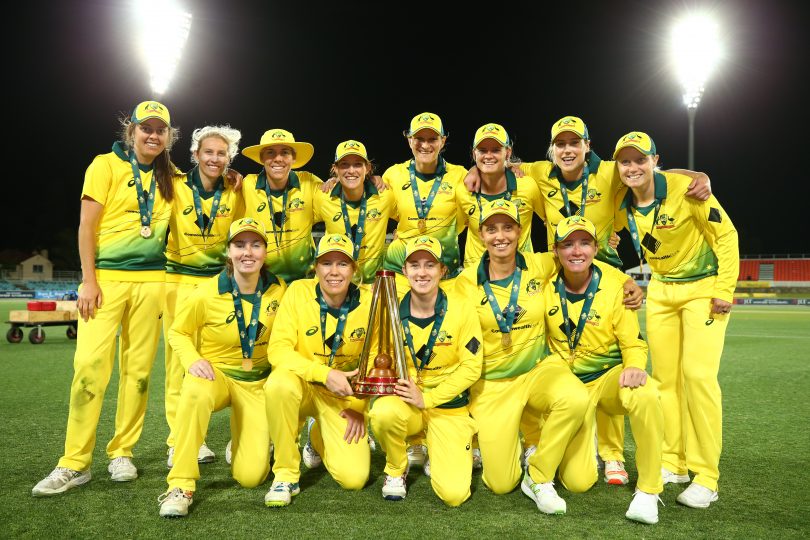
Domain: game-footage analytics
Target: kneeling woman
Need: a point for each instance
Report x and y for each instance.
(233, 313)
(445, 352)
(315, 350)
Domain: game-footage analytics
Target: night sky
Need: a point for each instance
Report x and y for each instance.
(338, 70)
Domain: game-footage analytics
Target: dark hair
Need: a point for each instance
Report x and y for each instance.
(164, 169)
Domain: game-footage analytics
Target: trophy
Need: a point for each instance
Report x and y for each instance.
(385, 331)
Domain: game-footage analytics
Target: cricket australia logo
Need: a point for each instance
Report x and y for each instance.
(593, 196)
(445, 187)
(533, 287)
(272, 307)
(358, 334)
(278, 135)
(593, 318)
(296, 204)
(444, 338)
(374, 215)
(664, 221)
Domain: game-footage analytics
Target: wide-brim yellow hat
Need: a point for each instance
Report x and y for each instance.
(424, 243)
(571, 224)
(335, 242)
(303, 150)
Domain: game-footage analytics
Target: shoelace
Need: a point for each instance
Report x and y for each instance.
(170, 494)
(63, 473)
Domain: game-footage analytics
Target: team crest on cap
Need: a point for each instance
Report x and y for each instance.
(426, 119)
(277, 135)
(351, 144)
(565, 121)
(154, 106)
(335, 240)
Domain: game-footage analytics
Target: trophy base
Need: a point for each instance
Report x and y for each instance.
(375, 386)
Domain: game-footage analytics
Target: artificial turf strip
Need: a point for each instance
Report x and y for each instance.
(764, 469)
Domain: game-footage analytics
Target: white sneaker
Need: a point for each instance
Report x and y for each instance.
(122, 469)
(670, 477)
(205, 454)
(394, 488)
(697, 496)
(228, 455)
(527, 453)
(60, 480)
(417, 454)
(426, 467)
(543, 495)
(477, 462)
(170, 458)
(372, 444)
(281, 493)
(615, 473)
(175, 503)
(643, 508)
(310, 457)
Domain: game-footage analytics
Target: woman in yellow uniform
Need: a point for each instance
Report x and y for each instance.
(691, 247)
(444, 352)
(356, 208)
(492, 150)
(126, 203)
(425, 189)
(233, 315)
(315, 350)
(282, 200)
(590, 327)
(203, 209)
(515, 376)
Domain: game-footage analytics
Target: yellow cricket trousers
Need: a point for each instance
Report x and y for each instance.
(686, 343)
(643, 406)
(449, 437)
(176, 293)
(609, 433)
(289, 399)
(199, 399)
(550, 390)
(135, 307)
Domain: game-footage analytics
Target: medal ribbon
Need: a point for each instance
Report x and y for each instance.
(341, 324)
(440, 310)
(247, 334)
(145, 204)
(214, 207)
(361, 223)
(277, 232)
(633, 227)
(423, 209)
(590, 293)
(586, 172)
(505, 323)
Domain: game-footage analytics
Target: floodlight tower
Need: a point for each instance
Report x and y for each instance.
(162, 28)
(695, 52)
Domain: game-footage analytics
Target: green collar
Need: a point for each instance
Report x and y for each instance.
(593, 165)
(120, 150)
(483, 266)
(193, 179)
(369, 189)
(292, 181)
(660, 191)
(266, 280)
(354, 298)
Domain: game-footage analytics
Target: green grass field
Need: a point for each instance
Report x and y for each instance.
(765, 378)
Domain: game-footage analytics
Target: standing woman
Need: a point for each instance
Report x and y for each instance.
(444, 355)
(126, 203)
(203, 209)
(356, 208)
(492, 150)
(515, 376)
(427, 197)
(691, 247)
(281, 199)
(315, 350)
(220, 336)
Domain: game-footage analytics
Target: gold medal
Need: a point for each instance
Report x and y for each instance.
(419, 378)
(422, 225)
(506, 340)
(146, 231)
(571, 357)
(247, 364)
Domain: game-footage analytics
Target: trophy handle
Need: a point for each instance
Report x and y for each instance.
(362, 367)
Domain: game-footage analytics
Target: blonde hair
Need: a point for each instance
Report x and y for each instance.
(226, 133)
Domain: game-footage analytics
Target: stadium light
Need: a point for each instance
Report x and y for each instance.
(162, 30)
(695, 52)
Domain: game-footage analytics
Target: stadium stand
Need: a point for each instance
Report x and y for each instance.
(774, 270)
